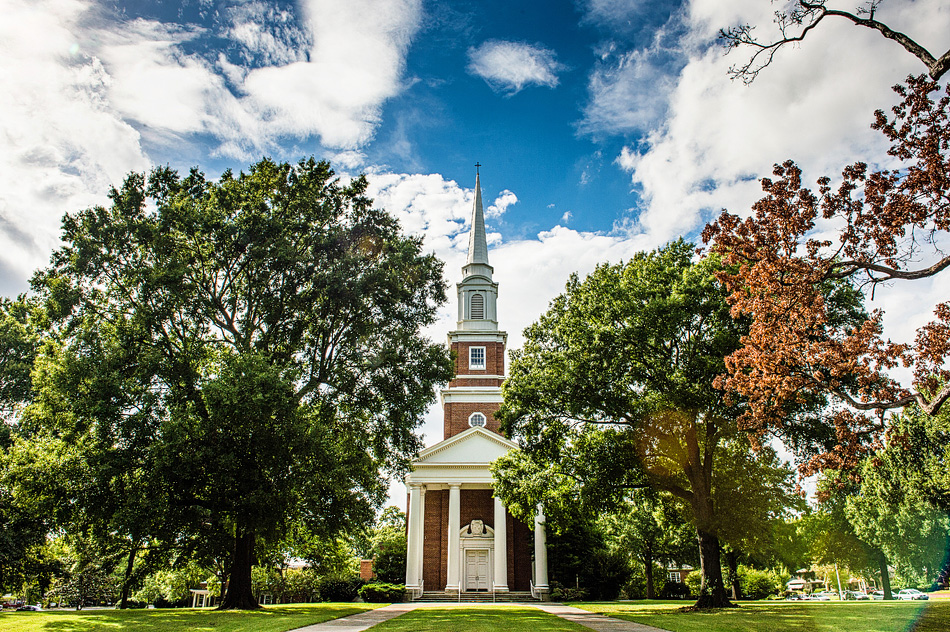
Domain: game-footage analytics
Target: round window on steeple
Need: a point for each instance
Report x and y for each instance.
(478, 307)
(477, 419)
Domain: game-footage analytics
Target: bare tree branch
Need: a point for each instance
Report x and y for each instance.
(808, 15)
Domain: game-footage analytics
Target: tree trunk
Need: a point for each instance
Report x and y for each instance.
(648, 571)
(885, 578)
(712, 593)
(732, 560)
(127, 580)
(238, 595)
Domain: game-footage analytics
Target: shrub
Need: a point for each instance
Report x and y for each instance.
(161, 602)
(756, 584)
(675, 590)
(563, 593)
(383, 593)
(693, 581)
(340, 589)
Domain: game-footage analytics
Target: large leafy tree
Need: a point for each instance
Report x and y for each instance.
(614, 389)
(257, 352)
(887, 227)
(900, 505)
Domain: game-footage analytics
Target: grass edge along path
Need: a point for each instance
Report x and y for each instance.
(279, 618)
(833, 616)
(487, 618)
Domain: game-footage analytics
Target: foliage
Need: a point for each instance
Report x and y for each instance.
(675, 590)
(614, 390)
(893, 507)
(388, 546)
(383, 593)
(636, 588)
(799, 346)
(759, 584)
(247, 352)
(559, 592)
(649, 529)
(341, 589)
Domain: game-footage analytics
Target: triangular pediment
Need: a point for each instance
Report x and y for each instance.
(475, 445)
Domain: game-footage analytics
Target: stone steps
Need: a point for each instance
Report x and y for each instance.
(476, 597)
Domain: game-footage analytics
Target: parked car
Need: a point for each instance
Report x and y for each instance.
(910, 594)
(819, 596)
(797, 597)
(877, 595)
(28, 608)
(856, 595)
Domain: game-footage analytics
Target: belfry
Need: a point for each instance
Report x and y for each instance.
(461, 539)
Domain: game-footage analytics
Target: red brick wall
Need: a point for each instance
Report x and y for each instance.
(366, 570)
(456, 416)
(494, 358)
(435, 540)
(474, 504)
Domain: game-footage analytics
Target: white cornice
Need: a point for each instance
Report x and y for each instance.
(472, 394)
(475, 335)
(461, 437)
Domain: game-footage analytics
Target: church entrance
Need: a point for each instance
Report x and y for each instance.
(477, 569)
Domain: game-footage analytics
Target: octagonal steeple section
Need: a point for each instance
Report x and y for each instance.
(477, 293)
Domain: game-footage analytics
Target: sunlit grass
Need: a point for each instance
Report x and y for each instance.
(776, 616)
(269, 619)
(478, 619)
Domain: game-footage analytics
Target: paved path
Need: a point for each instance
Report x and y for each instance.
(366, 620)
(591, 620)
(361, 621)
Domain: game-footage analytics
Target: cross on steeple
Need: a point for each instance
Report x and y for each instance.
(477, 165)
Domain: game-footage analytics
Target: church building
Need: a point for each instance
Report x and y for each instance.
(461, 539)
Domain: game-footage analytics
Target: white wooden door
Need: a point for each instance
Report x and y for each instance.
(476, 569)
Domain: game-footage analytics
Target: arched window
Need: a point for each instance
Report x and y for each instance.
(478, 307)
(477, 419)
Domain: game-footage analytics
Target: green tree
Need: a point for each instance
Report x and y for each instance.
(649, 529)
(268, 325)
(831, 536)
(897, 506)
(388, 546)
(621, 367)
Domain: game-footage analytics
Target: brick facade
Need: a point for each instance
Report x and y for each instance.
(494, 359)
(456, 416)
(474, 504)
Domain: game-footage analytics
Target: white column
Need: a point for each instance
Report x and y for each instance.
(540, 553)
(455, 544)
(500, 579)
(413, 552)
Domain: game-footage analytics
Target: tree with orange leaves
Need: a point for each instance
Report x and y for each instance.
(891, 227)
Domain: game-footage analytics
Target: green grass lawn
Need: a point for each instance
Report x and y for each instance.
(777, 616)
(269, 619)
(478, 619)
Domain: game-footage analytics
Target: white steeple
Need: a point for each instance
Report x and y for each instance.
(477, 293)
(477, 243)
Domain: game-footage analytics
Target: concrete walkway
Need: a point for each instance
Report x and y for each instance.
(366, 620)
(591, 620)
(361, 621)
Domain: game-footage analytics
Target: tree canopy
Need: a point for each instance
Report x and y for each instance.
(246, 351)
(613, 390)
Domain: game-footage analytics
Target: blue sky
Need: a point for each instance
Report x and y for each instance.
(604, 127)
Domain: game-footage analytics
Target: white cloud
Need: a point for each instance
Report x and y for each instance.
(511, 66)
(62, 144)
(505, 199)
(814, 104)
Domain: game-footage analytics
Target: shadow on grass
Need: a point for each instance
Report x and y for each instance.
(269, 619)
(772, 615)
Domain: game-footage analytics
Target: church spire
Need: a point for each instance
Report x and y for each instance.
(477, 242)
